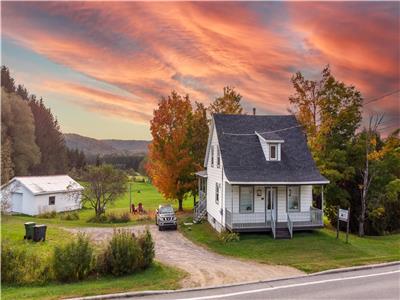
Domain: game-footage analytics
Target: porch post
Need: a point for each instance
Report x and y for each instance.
(322, 202)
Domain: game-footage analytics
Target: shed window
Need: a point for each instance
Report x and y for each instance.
(293, 197)
(218, 157)
(217, 192)
(212, 156)
(246, 199)
(52, 200)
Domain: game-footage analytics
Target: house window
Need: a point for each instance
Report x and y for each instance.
(293, 198)
(52, 200)
(218, 157)
(246, 199)
(217, 192)
(273, 152)
(212, 156)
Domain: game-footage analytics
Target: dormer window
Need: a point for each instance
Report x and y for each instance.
(271, 144)
(273, 151)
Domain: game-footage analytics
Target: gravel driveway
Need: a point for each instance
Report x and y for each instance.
(205, 268)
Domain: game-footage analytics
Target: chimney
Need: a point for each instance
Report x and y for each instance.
(254, 111)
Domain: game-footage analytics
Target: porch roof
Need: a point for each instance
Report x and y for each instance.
(202, 173)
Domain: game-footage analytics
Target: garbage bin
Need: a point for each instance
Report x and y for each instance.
(29, 230)
(39, 233)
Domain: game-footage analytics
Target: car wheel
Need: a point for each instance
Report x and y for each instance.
(160, 228)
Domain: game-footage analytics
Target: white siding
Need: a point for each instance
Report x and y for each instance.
(282, 217)
(214, 175)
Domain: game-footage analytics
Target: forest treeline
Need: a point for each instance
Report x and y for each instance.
(31, 140)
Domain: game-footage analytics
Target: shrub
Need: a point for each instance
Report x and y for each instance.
(74, 260)
(147, 247)
(122, 255)
(227, 236)
(50, 214)
(70, 216)
(121, 218)
(20, 266)
(111, 218)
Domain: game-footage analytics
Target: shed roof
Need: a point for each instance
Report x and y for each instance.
(243, 158)
(48, 184)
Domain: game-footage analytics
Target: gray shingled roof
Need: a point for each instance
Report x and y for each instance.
(270, 136)
(244, 160)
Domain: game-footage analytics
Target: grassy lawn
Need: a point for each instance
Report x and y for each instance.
(157, 277)
(307, 251)
(142, 192)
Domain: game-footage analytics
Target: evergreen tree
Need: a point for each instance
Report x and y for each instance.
(7, 82)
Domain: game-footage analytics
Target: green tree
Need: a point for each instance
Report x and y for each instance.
(103, 185)
(229, 103)
(330, 112)
(49, 139)
(18, 135)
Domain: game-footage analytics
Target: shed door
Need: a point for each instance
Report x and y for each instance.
(16, 202)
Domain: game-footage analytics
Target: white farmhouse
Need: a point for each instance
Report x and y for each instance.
(36, 194)
(259, 176)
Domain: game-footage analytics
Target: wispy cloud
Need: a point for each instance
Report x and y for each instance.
(148, 49)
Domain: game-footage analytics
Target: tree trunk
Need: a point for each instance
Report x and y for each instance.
(180, 202)
(194, 199)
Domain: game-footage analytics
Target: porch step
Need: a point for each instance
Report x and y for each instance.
(282, 233)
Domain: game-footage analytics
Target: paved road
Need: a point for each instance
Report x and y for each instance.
(379, 283)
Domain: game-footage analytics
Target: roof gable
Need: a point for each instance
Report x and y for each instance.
(244, 159)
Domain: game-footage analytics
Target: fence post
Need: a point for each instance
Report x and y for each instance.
(348, 225)
(337, 227)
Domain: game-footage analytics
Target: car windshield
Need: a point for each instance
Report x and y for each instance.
(166, 209)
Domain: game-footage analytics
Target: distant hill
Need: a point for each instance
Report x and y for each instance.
(93, 147)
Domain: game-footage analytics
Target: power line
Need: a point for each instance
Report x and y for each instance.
(272, 131)
(381, 97)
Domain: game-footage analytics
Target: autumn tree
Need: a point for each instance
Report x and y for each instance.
(229, 103)
(18, 138)
(103, 185)
(171, 164)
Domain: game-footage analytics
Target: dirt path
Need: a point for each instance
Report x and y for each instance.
(205, 268)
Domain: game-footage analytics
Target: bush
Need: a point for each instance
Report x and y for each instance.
(70, 216)
(111, 218)
(121, 218)
(73, 261)
(147, 247)
(51, 214)
(122, 255)
(19, 266)
(227, 236)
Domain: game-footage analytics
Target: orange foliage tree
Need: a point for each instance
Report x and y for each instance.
(171, 165)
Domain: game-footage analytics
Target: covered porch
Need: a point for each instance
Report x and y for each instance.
(271, 208)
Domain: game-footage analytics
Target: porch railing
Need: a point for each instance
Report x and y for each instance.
(316, 216)
(273, 224)
(245, 220)
(290, 225)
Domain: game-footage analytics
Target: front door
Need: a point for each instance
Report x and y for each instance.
(271, 203)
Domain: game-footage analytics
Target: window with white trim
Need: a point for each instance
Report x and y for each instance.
(273, 151)
(293, 198)
(217, 192)
(246, 199)
(212, 155)
(218, 157)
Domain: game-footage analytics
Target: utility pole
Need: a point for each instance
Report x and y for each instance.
(130, 197)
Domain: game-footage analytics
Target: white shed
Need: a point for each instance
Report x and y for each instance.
(36, 194)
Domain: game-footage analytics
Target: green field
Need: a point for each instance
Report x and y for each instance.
(141, 192)
(308, 251)
(157, 277)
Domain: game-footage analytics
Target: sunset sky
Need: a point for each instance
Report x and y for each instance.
(102, 67)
